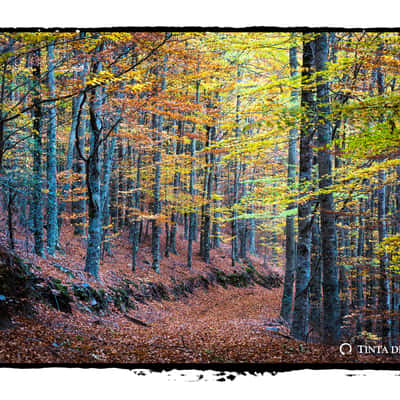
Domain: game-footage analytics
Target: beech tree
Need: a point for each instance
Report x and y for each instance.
(213, 147)
(52, 203)
(290, 265)
(303, 256)
(37, 199)
(327, 207)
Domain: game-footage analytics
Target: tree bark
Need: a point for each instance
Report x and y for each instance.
(316, 276)
(105, 195)
(136, 207)
(52, 209)
(192, 189)
(384, 292)
(331, 311)
(301, 301)
(156, 225)
(93, 251)
(78, 206)
(157, 125)
(37, 198)
(205, 233)
(290, 251)
(236, 178)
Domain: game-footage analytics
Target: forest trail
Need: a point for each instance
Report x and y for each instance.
(215, 325)
(218, 324)
(207, 325)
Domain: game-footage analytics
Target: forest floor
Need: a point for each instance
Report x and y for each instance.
(213, 324)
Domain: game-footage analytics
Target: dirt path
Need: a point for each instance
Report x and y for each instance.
(215, 325)
(219, 325)
(222, 325)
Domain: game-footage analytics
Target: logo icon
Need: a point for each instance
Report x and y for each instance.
(345, 348)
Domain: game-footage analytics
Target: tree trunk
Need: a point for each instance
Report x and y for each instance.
(384, 287)
(316, 276)
(205, 233)
(359, 300)
(136, 207)
(177, 183)
(370, 293)
(37, 200)
(157, 125)
(156, 225)
(236, 178)
(327, 207)
(105, 195)
(301, 301)
(52, 211)
(290, 252)
(216, 229)
(192, 190)
(78, 187)
(78, 207)
(122, 180)
(243, 225)
(93, 181)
